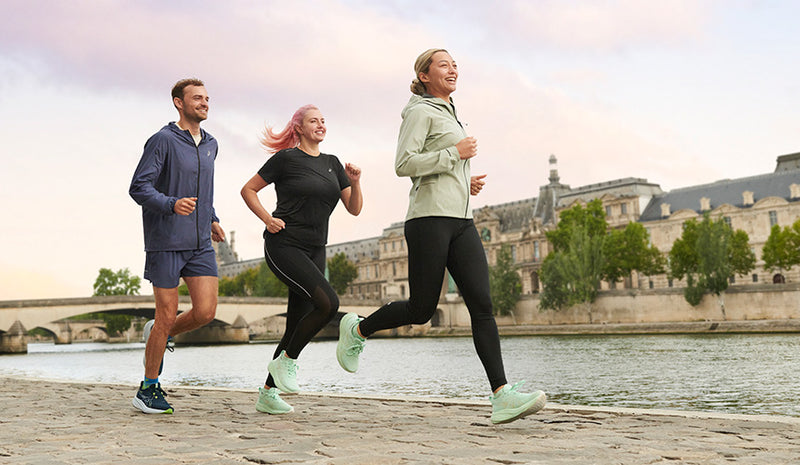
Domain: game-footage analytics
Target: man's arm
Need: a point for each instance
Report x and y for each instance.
(142, 188)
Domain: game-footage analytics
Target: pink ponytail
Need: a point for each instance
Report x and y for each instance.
(288, 138)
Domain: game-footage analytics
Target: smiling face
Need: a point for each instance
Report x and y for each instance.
(440, 80)
(193, 106)
(313, 127)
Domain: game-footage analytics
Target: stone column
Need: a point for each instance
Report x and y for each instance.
(64, 335)
(217, 332)
(15, 340)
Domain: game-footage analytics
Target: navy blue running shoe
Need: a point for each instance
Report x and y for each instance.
(151, 399)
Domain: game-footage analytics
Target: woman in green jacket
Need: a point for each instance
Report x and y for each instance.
(434, 151)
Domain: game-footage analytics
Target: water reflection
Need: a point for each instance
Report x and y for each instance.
(753, 374)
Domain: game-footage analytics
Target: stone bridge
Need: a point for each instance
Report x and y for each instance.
(233, 318)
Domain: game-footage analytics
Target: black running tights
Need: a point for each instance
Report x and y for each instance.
(436, 243)
(312, 301)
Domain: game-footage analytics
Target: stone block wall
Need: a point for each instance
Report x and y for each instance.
(753, 302)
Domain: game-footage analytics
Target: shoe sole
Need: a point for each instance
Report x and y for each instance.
(532, 407)
(141, 406)
(340, 349)
(278, 383)
(291, 409)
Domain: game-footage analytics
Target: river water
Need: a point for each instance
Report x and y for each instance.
(749, 374)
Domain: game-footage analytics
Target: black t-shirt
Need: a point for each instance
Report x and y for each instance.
(308, 189)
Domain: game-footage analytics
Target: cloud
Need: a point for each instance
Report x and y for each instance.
(611, 88)
(271, 56)
(602, 26)
(519, 124)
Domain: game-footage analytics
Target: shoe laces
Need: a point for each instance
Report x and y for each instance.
(356, 348)
(155, 391)
(513, 390)
(514, 387)
(170, 344)
(291, 366)
(357, 345)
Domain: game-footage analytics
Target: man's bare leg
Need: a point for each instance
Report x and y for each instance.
(166, 311)
(203, 290)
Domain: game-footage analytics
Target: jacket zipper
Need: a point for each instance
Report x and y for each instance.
(197, 195)
(464, 170)
(466, 207)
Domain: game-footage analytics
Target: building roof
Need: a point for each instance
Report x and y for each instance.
(625, 187)
(514, 216)
(354, 250)
(788, 162)
(726, 191)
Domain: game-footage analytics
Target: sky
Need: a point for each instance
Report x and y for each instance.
(680, 93)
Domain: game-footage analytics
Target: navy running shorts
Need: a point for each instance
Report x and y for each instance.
(165, 268)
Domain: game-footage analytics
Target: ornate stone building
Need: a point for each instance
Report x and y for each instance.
(752, 204)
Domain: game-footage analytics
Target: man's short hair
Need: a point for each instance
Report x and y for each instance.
(180, 86)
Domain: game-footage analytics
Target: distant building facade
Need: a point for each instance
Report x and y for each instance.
(753, 204)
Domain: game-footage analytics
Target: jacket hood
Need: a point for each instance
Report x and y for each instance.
(424, 100)
(173, 126)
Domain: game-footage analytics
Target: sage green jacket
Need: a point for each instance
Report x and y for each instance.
(427, 154)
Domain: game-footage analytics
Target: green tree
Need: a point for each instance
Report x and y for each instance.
(504, 282)
(741, 256)
(782, 250)
(585, 252)
(341, 272)
(262, 282)
(256, 282)
(708, 254)
(183, 289)
(628, 250)
(227, 287)
(120, 282)
(591, 219)
(572, 275)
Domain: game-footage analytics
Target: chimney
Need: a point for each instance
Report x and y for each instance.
(794, 191)
(747, 198)
(665, 210)
(705, 204)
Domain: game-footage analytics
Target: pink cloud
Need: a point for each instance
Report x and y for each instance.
(518, 126)
(247, 53)
(592, 25)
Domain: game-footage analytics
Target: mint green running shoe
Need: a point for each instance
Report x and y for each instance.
(350, 344)
(284, 371)
(269, 401)
(509, 404)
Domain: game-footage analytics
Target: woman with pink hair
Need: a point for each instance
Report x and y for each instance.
(309, 185)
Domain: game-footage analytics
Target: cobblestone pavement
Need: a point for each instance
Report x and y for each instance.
(47, 422)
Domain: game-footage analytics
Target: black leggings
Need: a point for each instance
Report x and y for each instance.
(436, 243)
(312, 301)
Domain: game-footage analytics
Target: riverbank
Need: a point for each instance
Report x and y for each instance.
(693, 327)
(55, 422)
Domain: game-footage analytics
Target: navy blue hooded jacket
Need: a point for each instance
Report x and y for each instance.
(172, 167)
